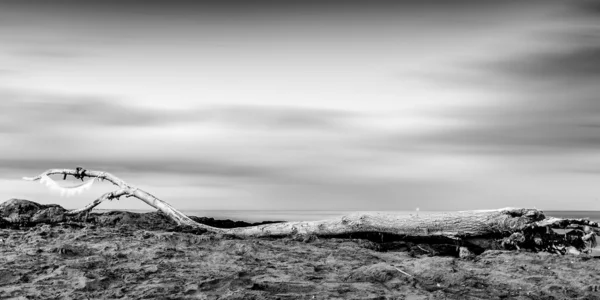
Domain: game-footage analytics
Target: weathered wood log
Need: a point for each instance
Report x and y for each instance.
(454, 225)
(477, 227)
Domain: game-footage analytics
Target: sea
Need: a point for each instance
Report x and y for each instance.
(315, 215)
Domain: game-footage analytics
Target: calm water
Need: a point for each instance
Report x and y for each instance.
(575, 214)
(313, 215)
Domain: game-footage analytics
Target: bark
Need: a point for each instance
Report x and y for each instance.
(516, 225)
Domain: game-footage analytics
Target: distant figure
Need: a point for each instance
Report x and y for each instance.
(417, 211)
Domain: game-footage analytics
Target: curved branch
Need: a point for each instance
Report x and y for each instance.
(96, 174)
(107, 196)
(131, 191)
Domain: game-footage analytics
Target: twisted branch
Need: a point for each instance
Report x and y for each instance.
(125, 190)
(107, 196)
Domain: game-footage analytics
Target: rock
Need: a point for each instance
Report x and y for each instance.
(49, 215)
(572, 250)
(28, 213)
(380, 272)
(151, 269)
(190, 289)
(8, 277)
(227, 223)
(465, 253)
(24, 212)
(65, 250)
(99, 284)
(149, 221)
(4, 223)
(513, 241)
(369, 245)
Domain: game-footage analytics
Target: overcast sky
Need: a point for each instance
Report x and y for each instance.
(357, 105)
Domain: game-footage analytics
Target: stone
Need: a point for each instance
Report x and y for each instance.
(572, 250)
(465, 253)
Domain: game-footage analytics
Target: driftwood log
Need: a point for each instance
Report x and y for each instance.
(481, 229)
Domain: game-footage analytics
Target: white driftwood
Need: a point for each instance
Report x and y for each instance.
(452, 225)
(107, 196)
(130, 191)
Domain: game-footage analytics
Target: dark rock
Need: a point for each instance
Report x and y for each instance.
(309, 238)
(65, 250)
(25, 212)
(228, 223)
(20, 212)
(394, 246)
(369, 245)
(149, 221)
(4, 223)
(187, 229)
(49, 215)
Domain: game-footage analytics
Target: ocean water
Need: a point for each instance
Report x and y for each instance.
(314, 215)
(269, 215)
(593, 215)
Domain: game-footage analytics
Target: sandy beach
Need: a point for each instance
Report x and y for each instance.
(133, 256)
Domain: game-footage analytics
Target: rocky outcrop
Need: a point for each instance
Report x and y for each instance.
(23, 213)
(227, 223)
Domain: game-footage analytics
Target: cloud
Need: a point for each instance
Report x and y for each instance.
(589, 7)
(42, 131)
(7, 72)
(278, 117)
(533, 124)
(545, 98)
(51, 53)
(24, 112)
(167, 166)
(398, 146)
(574, 64)
(570, 52)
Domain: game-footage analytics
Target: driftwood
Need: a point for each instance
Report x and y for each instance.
(482, 229)
(125, 189)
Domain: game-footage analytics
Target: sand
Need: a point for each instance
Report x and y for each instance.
(124, 255)
(127, 262)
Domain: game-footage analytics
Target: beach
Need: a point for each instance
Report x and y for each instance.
(131, 256)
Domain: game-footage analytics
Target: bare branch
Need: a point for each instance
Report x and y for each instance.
(130, 191)
(107, 196)
(96, 174)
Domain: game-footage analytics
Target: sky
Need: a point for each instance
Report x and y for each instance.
(302, 105)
